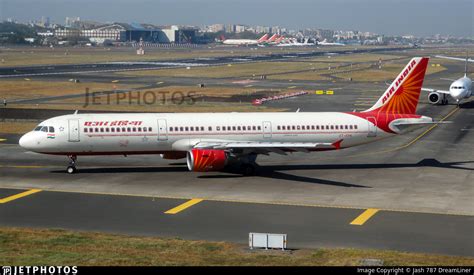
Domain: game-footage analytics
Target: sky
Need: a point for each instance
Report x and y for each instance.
(389, 17)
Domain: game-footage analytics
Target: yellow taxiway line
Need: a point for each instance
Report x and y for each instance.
(365, 216)
(2, 139)
(20, 195)
(183, 206)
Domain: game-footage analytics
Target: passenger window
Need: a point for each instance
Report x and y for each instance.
(186, 129)
(283, 127)
(118, 130)
(233, 128)
(191, 128)
(278, 127)
(202, 128)
(218, 128)
(96, 130)
(112, 130)
(107, 130)
(171, 129)
(85, 130)
(238, 128)
(197, 128)
(210, 128)
(312, 127)
(144, 129)
(355, 127)
(243, 128)
(259, 128)
(149, 129)
(254, 128)
(297, 127)
(223, 128)
(350, 127)
(101, 130)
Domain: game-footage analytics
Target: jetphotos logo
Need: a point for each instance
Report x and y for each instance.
(399, 81)
(26, 270)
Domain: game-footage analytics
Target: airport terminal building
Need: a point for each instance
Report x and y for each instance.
(121, 32)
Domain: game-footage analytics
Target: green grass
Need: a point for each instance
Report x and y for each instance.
(62, 247)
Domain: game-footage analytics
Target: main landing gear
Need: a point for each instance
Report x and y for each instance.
(71, 169)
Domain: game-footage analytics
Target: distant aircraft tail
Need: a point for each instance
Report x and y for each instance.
(263, 38)
(222, 37)
(402, 95)
(273, 38)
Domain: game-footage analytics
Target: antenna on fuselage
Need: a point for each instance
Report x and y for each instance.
(298, 110)
(76, 112)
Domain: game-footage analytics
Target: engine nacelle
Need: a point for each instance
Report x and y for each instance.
(435, 98)
(203, 160)
(173, 155)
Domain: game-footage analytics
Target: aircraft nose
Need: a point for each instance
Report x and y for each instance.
(27, 141)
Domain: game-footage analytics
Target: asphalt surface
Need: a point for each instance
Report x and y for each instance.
(421, 183)
(45, 70)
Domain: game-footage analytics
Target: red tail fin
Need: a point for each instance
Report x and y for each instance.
(263, 38)
(402, 95)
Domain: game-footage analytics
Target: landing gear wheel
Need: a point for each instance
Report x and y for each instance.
(71, 169)
(248, 169)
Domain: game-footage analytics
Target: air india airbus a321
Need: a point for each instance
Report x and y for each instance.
(211, 141)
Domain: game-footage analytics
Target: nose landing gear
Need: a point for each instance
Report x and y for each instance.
(71, 169)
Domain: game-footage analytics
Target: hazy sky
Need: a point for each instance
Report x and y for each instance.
(419, 17)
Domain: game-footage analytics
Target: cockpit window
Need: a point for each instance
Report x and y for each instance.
(44, 129)
(51, 129)
(38, 128)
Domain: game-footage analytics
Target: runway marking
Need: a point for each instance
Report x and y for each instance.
(183, 206)
(248, 201)
(160, 82)
(365, 216)
(20, 195)
(291, 87)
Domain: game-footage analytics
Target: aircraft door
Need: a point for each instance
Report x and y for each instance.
(162, 130)
(73, 125)
(372, 124)
(267, 129)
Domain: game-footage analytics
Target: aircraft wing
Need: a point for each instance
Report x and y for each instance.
(455, 58)
(435, 90)
(265, 147)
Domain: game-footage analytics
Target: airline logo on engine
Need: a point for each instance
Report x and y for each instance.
(114, 123)
(399, 81)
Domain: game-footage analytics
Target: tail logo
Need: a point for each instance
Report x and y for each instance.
(399, 81)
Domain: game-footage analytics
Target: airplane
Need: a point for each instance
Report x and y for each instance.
(244, 42)
(214, 141)
(459, 89)
(325, 43)
(294, 43)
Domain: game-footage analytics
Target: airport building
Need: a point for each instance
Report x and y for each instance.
(120, 32)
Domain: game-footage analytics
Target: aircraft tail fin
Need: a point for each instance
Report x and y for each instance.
(402, 95)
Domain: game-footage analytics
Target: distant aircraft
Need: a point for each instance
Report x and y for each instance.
(211, 141)
(325, 43)
(244, 42)
(295, 43)
(459, 89)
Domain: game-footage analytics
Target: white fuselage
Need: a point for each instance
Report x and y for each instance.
(240, 42)
(135, 133)
(461, 88)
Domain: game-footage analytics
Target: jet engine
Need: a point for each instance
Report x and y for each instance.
(173, 155)
(437, 98)
(204, 160)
